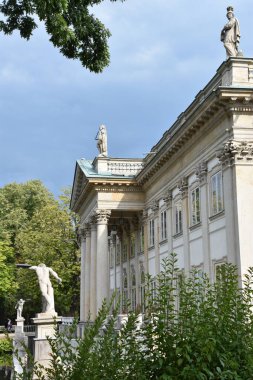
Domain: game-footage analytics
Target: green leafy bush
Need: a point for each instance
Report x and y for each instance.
(5, 352)
(192, 330)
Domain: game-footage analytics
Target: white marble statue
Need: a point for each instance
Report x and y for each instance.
(230, 34)
(19, 307)
(46, 288)
(102, 141)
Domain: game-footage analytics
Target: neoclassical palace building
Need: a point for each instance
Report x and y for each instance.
(192, 195)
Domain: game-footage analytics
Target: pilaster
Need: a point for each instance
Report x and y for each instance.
(237, 163)
(168, 201)
(87, 272)
(183, 188)
(155, 209)
(201, 174)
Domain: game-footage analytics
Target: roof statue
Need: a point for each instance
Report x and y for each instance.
(230, 34)
(102, 141)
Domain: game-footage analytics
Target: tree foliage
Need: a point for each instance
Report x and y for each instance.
(192, 330)
(70, 24)
(36, 228)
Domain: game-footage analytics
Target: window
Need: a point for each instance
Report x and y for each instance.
(163, 225)
(111, 256)
(195, 206)
(218, 271)
(216, 193)
(132, 246)
(142, 288)
(142, 239)
(151, 232)
(124, 253)
(125, 292)
(133, 289)
(118, 252)
(178, 218)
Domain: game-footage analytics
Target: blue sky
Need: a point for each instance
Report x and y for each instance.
(162, 53)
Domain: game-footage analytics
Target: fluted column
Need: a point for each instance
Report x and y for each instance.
(102, 256)
(87, 274)
(93, 270)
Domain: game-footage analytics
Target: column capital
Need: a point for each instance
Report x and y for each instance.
(87, 230)
(155, 207)
(102, 216)
(168, 198)
(183, 186)
(145, 217)
(201, 172)
(234, 152)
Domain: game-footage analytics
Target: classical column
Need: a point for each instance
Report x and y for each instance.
(84, 278)
(87, 274)
(183, 188)
(93, 270)
(201, 173)
(82, 275)
(168, 201)
(102, 256)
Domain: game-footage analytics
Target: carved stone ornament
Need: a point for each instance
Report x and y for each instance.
(201, 172)
(155, 206)
(183, 186)
(145, 217)
(103, 216)
(168, 198)
(235, 152)
(87, 231)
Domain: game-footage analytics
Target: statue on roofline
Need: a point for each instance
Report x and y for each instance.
(230, 35)
(102, 141)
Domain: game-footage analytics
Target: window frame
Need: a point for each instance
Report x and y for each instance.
(217, 210)
(195, 214)
(163, 221)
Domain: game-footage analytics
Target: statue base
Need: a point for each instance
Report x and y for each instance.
(20, 324)
(45, 327)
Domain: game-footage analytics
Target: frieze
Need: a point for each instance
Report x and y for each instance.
(235, 152)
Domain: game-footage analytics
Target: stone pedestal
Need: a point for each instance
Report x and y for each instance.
(20, 324)
(44, 328)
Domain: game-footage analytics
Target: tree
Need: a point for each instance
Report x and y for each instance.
(192, 330)
(35, 228)
(70, 24)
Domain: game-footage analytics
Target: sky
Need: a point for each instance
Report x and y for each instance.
(163, 53)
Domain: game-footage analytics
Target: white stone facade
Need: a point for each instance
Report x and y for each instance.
(192, 195)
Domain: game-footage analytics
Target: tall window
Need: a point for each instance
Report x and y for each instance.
(178, 218)
(133, 289)
(132, 246)
(163, 225)
(117, 252)
(151, 232)
(142, 239)
(216, 193)
(125, 292)
(124, 253)
(142, 288)
(195, 206)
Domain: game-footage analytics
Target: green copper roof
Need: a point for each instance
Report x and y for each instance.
(90, 172)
